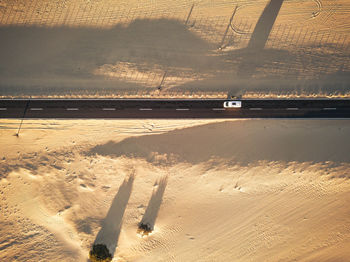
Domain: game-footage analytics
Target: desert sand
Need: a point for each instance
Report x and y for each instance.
(240, 190)
(245, 190)
(122, 48)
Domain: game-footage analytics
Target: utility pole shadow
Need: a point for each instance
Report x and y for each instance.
(264, 25)
(108, 235)
(253, 54)
(146, 226)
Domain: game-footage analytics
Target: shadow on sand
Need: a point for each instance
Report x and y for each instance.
(40, 60)
(256, 140)
(264, 26)
(259, 37)
(305, 70)
(111, 225)
(94, 61)
(149, 218)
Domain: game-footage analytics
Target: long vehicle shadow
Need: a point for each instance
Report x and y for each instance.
(149, 218)
(111, 225)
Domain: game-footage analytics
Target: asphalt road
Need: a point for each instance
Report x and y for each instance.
(173, 108)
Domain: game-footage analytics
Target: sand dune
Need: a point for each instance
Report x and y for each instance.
(210, 190)
(233, 191)
(320, 142)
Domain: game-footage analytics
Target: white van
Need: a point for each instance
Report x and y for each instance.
(232, 104)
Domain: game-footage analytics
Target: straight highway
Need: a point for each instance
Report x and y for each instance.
(173, 108)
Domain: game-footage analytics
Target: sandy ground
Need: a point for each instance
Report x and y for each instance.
(254, 190)
(245, 190)
(108, 48)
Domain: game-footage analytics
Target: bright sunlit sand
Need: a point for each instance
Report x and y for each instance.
(174, 190)
(116, 48)
(254, 190)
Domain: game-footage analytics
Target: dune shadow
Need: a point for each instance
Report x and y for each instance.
(111, 225)
(132, 58)
(43, 60)
(242, 141)
(149, 218)
(279, 71)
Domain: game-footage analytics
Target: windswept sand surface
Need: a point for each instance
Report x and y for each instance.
(117, 48)
(252, 190)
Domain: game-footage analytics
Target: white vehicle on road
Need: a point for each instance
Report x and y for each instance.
(232, 104)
